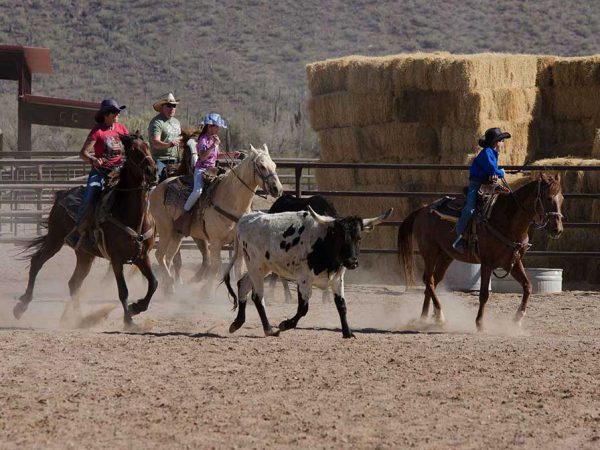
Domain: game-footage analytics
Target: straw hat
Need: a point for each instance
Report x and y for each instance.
(167, 99)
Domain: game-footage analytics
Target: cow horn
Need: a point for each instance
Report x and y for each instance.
(266, 149)
(369, 224)
(253, 149)
(324, 220)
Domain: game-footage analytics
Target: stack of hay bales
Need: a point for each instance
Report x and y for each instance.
(415, 108)
(570, 112)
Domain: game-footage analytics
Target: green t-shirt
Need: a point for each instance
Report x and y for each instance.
(167, 129)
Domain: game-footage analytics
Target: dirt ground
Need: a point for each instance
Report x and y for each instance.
(183, 381)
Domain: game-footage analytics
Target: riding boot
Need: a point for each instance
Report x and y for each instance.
(458, 244)
(183, 223)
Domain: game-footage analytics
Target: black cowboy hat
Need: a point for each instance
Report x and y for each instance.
(492, 136)
(108, 105)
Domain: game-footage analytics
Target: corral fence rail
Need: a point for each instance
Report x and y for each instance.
(27, 184)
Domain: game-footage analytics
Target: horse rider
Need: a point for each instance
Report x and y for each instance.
(103, 149)
(484, 169)
(164, 132)
(207, 152)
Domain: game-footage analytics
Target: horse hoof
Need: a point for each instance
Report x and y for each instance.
(272, 332)
(19, 309)
(285, 325)
(137, 307)
(234, 327)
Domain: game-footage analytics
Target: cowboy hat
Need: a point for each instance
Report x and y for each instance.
(492, 136)
(214, 119)
(108, 105)
(168, 98)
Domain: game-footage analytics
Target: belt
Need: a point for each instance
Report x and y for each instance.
(168, 161)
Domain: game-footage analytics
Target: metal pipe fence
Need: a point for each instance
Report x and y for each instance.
(27, 185)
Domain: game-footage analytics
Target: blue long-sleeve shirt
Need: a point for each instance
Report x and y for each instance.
(485, 165)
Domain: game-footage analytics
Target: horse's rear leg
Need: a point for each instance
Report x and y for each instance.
(71, 315)
(50, 246)
(146, 268)
(433, 274)
(484, 294)
(123, 292)
(518, 273)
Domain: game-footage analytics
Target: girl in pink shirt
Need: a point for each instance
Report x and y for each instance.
(207, 152)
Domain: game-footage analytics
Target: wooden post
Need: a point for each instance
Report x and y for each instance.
(298, 173)
(24, 133)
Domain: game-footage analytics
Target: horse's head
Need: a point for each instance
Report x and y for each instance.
(264, 170)
(138, 160)
(548, 204)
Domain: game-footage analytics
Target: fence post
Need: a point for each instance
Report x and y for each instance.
(39, 197)
(298, 173)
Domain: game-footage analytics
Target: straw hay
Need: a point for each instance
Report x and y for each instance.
(342, 109)
(368, 75)
(464, 72)
(596, 144)
(578, 71)
(341, 144)
(576, 103)
(327, 76)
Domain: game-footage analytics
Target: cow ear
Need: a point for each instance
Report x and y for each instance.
(369, 224)
(323, 220)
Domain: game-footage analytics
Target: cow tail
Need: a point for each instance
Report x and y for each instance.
(227, 276)
(405, 247)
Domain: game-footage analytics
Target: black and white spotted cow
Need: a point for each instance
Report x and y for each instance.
(302, 246)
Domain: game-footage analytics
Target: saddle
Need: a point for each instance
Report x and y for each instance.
(70, 200)
(450, 208)
(179, 190)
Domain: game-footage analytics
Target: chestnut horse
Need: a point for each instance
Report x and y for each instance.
(128, 234)
(502, 241)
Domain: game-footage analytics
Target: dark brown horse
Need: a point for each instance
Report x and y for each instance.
(503, 240)
(126, 237)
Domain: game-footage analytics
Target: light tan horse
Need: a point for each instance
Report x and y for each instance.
(231, 199)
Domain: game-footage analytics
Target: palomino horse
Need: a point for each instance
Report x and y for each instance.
(502, 239)
(127, 235)
(231, 198)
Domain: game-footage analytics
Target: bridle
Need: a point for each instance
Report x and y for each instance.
(257, 171)
(146, 186)
(543, 215)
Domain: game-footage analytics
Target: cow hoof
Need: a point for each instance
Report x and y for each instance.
(19, 309)
(272, 332)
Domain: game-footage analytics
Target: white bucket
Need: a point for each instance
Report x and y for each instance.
(462, 277)
(544, 281)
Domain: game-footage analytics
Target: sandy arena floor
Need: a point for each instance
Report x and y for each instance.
(185, 382)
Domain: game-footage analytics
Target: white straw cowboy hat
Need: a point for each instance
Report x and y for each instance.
(168, 98)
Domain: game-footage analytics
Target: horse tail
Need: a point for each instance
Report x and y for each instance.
(227, 276)
(405, 247)
(35, 245)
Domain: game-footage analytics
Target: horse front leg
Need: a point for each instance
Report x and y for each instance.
(214, 267)
(145, 267)
(484, 294)
(518, 273)
(123, 292)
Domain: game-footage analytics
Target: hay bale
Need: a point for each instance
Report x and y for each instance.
(341, 144)
(575, 103)
(343, 109)
(457, 108)
(577, 71)
(596, 144)
(370, 75)
(545, 71)
(464, 72)
(327, 76)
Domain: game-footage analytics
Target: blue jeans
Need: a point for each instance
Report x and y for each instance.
(197, 191)
(92, 191)
(469, 208)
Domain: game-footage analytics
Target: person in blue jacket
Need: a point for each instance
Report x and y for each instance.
(484, 169)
